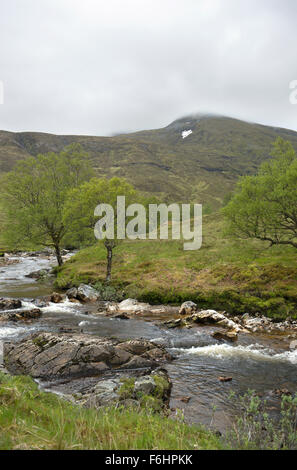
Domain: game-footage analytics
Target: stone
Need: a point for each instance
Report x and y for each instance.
(72, 293)
(132, 305)
(188, 308)
(226, 335)
(122, 316)
(87, 293)
(21, 314)
(51, 356)
(210, 317)
(129, 392)
(57, 298)
(10, 304)
(145, 385)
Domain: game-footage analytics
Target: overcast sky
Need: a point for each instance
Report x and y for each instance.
(101, 67)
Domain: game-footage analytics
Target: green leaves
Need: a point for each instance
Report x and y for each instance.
(265, 206)
(34, 194)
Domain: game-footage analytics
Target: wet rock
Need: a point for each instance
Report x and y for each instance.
(51, 356)
(210, 317)
(225, 379)
(122, 316)
(132, 305)
(21, 314)
(41, 303)
(10, 304)
(72, 293)
(39, 275)
(174, 323)
(57, 298)
(226, 335)
(185, 399)
(87, 293)
(282, 392)
(188, 308)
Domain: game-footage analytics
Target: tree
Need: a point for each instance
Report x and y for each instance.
(82, 201)
(265, 206)
(34, 193)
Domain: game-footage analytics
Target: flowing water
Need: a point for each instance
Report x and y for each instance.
(256, 362)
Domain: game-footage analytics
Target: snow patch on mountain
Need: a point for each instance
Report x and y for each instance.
(186, 133)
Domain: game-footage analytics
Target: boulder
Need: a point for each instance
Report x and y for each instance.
(72, 293)
(51, 356)
(10, 304)
(145, 385)
(122, 316)
(133, 306)
(211, 317)
(188, 308)
(153, 390)
(226, 335)
(38, 275)
(87, 293)
(21, 314)
(57, 298)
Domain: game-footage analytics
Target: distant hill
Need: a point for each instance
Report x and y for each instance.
(196, 158)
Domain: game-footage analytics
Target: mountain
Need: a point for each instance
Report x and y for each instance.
(196, 158)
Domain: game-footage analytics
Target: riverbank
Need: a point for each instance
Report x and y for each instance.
(206, 365)
(237, 276)
(32, 419)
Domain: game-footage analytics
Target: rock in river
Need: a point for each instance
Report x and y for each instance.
(188, 308)
(51, 356)
(21, 314)
(84, 293)
(10, 304)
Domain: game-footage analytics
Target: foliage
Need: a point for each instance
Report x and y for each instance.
(265, 205)
(225, 274)
(201, 168)
(33, 197)
(254, 429)
(79, 210)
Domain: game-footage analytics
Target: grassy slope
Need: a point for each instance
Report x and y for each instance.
(228, 274)
(31, 419)
(203, 167)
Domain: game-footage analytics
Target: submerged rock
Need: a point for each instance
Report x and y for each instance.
(52, 356)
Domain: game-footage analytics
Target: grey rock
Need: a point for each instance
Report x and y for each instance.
(10, 304)
(145, 385)
(52, 356)
(87, 293)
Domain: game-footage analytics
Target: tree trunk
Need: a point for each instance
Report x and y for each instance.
(58, 255)
(109, 263)
(109, 245)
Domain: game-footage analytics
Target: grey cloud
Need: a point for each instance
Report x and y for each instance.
(99, 67)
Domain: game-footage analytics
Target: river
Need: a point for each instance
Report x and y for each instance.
(259, 362)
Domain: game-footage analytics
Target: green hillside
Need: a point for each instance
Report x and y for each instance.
(202, 167)
(225, 274)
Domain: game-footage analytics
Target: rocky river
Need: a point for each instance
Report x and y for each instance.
(203, 365)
